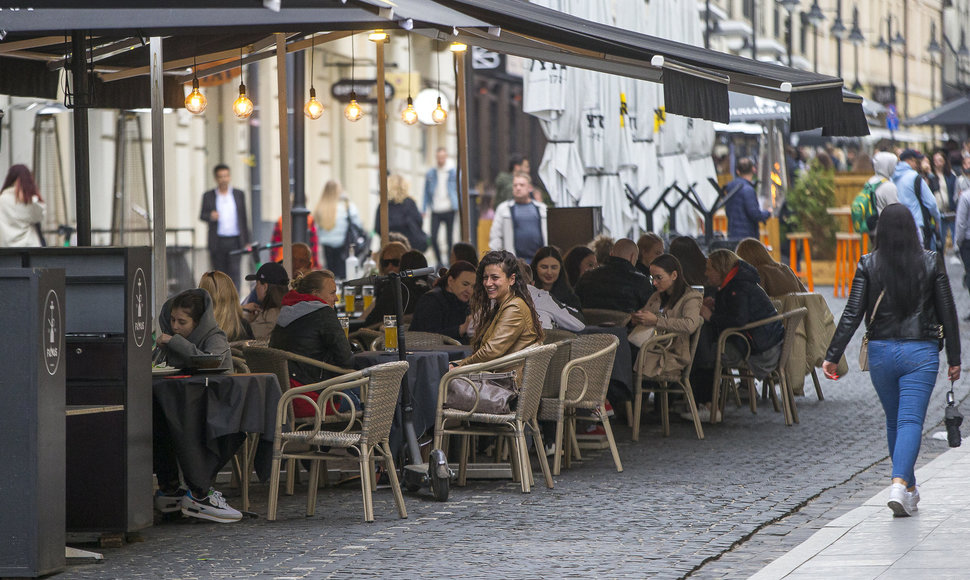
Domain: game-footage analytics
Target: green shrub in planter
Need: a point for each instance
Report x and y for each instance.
(807, 201)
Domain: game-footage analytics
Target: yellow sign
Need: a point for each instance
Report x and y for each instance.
(659, 118)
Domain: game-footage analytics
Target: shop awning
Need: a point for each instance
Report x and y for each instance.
(949, 114)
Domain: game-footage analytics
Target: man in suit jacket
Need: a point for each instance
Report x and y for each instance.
(224, 209)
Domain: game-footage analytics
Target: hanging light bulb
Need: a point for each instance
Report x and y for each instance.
(377, 36)
(313, 108)
(409, 115)
(458, 47)
(438, 115)
(353, 112)
(242, 107)
(195, 102)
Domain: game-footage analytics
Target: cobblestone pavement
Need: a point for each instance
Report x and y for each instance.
(718, 508)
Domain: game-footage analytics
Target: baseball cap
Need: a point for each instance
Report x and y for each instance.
(271, 273)
(910, 154)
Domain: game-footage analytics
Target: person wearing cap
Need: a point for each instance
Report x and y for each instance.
(906, 177)
(271, 285)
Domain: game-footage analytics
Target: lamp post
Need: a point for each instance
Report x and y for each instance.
(888, 46)
(815, 18)
(935, 50)
(857, 39)
(789, 6)
(840, 32)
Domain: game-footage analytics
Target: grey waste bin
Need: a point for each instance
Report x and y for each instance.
(32, 404)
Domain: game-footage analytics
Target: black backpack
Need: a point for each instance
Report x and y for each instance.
(931, 229)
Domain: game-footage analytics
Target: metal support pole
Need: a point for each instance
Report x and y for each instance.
(82, 150)
(788, 38)
(838, 41)
(299, 212)
(905, 27)
(382, 143)
(754, 29)
(159, 261)
(815, 48)
(707, 24)
(462, 127)
(284, 150)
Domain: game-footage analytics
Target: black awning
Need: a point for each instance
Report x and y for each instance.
(950, 114)
(814, 105)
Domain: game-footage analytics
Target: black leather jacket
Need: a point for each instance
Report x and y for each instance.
(935, 307)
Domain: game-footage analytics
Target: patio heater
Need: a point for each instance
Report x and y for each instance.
(49, 175)
(130, 216)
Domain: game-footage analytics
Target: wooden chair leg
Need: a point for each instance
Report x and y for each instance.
(818, 387)
(557, 456)
(541, 452)
(292, 469)
(514, 460)
(635, 417)
(463, 462)
(631, 418)
(692, 405)
(574, 443)
(664, 409)
(392, 477)
(522, 458)
(274, 487)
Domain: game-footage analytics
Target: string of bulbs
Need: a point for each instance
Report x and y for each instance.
(242, 107)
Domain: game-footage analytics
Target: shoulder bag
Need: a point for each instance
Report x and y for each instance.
(864, 350)
(493, 393)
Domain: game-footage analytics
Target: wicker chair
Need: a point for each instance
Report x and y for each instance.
(554, 335)
(263, 359)
(383, 384)
(418, 340)
(605, 317)
(790, 320)
(666, 384)
(583, 382)
(534, 361)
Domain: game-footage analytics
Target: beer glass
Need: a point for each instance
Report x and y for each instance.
(390, 333)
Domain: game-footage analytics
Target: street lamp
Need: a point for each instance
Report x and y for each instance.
(815, 17)
(789, 6)
(840, 32)
(935, 50)
(888, 46)
(857, 40)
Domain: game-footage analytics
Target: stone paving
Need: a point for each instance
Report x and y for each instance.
(719, 508)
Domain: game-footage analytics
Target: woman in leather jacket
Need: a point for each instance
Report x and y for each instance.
(915, 305)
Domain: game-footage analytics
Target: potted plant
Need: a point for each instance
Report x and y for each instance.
(808, 202)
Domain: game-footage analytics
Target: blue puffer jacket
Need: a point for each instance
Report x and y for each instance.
(743, 212)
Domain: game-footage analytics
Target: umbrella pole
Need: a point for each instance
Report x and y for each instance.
(159, 263)
(382, 143)
(462, 128)
(281, 98)
(82, 161)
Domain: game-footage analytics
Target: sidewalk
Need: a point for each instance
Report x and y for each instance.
(869, 543)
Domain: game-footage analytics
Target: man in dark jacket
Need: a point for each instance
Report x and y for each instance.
(744, 214)
(224, 209)
(616, 285)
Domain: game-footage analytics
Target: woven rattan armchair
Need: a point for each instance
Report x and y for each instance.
(583, 381)
(790, 320)
(665, 384)
(534, 362)
(605, 317)
(418, 340)
(383, 384)
(554, 335)
(263, 359)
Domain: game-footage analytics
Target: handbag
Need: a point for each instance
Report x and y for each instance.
(493, 393)
(952, 418)
(355, 238)
(864, 350)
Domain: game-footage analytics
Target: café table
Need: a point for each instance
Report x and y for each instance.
(206, 417)
(426, 367)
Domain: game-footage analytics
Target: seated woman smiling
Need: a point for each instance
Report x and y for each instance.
(506, 319)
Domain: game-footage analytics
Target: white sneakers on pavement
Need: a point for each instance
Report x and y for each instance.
(212, 507)
(902, 502)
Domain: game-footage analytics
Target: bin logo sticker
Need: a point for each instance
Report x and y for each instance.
(139, 307)
(52, 332)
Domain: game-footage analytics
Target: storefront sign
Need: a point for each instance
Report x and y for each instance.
(366, 90)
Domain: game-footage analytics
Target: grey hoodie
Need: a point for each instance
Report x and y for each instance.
(884, 163)
(206, 338)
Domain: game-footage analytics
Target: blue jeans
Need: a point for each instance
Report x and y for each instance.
(903, 373)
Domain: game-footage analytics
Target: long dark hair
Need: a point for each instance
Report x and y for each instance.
(193, 302)
(483, 310)
(28, 187)
(691, 259)
(457, 269)
(549, 252)
(898, 259)
(571, 263)
(273, 297)
(670, 264)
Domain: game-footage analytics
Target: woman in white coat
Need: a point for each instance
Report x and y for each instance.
(21, 209)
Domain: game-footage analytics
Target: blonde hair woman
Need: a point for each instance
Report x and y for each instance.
(402, 214)
(225, 305)
(777, 279)
(332, 215)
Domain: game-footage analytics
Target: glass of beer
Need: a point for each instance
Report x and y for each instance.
(390, 333)
(368, 296)
(349, 302)
(345, 324)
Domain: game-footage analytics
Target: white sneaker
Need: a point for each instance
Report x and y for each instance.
(703, 413)
(900, 501)
(913, 500)
(212, 507)
(168, 503)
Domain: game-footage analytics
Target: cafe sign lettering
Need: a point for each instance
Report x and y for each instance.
(52, 331)
(366, 90)
(139, 307)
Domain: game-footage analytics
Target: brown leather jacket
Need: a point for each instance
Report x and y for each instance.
(510, 331)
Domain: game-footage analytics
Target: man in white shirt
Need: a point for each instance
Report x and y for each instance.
(224, 209)
(441, 197)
